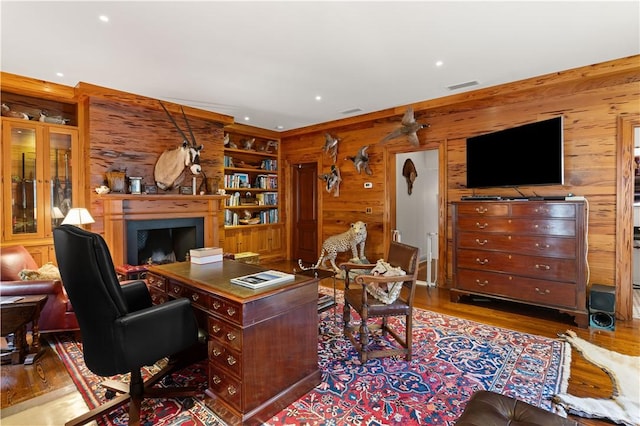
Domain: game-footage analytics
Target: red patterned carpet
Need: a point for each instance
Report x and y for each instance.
(453, 358)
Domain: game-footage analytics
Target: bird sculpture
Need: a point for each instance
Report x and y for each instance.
(331, 146)
(248, 143)
(226, 139)
(361, 160)
(7, 112)
(410, 174)
(408, 128)
(332, 180)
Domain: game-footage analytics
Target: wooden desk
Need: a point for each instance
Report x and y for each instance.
(15, 317)
(262, 345)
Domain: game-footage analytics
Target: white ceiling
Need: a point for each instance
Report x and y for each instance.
(268, 60)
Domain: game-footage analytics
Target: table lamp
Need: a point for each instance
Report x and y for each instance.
(78, 216)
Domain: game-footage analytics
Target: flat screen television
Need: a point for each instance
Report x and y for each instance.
(531, 154)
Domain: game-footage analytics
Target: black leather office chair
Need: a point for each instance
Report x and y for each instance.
(121, 329)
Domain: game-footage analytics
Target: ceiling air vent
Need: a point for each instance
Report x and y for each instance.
(351, 111)
(463, 85)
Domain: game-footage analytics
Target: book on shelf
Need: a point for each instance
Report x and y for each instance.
(206, 259)
(263, 279)
(205, 251)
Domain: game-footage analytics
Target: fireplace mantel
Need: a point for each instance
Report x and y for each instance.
(119, 208)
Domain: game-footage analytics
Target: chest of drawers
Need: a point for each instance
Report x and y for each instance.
(525, 251)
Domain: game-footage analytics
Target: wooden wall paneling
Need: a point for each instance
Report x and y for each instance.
(590, 98)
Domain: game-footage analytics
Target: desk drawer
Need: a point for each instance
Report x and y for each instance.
(226, 309)
(157, 296)
(156, 281)
(198, 298)
(225, 357)
(225, 333)
(225, 386)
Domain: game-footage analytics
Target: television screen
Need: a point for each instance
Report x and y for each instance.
(532, 154)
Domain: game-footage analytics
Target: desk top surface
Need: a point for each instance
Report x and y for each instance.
(215, 278)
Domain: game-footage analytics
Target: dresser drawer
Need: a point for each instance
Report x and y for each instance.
(517, 243)
(225, 386)
(560, 227)
(547, 268)
(156, 281)
(548, 293)
(550, 210)
(226, 334)
(225, 357)
(226, 309)
(483, 209)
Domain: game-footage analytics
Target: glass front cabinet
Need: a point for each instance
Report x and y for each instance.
(39, 182)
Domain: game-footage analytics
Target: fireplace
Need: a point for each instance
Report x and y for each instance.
(162, 240)
(124, 210)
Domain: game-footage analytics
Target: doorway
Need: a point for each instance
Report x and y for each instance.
(304, 212)
(417, 214)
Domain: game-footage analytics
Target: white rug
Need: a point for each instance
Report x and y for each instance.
(636, 303)
(623, 406)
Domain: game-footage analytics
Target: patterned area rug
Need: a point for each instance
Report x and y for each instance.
(453, 358)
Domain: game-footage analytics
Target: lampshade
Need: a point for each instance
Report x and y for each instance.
(78, 216)
(57, 213)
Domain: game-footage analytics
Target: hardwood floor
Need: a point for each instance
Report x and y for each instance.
(586, 379)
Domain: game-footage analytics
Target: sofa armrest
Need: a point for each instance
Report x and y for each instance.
(21, 288)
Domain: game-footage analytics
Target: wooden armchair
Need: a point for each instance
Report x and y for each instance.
(369, 307)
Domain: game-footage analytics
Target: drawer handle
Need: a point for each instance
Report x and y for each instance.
(231, 360)
(481, 261)
(151, 280)
(195, 296)
(544, 267)
(216, 352)
(216, 380)
(478, 225)
(482, 283)
(232, 390)
(215, 328)
(231, 337)
(482, 209)
(216, 305)
(231, 311)
(542, 291)
(481, 243)
(176, 290)
(542, 246)
(542, 210)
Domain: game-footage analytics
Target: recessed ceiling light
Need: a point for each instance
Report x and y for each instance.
(439, 63)
(247, 118)
(59, 74)
(318, 98)
(279, 127)
(104, 18)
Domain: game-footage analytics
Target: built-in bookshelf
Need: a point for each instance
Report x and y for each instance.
(252, 214)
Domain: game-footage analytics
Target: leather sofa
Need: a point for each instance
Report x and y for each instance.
(57, 314)
(490, 408)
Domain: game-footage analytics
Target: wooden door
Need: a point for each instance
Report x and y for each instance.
(305, 212)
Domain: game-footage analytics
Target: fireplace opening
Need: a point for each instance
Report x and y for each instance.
(163, 240)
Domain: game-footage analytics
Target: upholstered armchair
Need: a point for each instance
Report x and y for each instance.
(57, 313)
(375, 307)
(122, 330)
